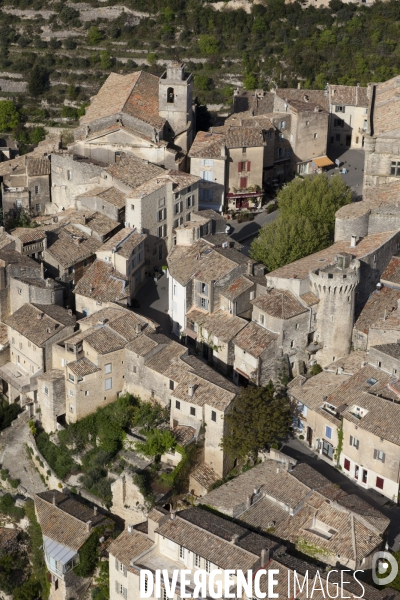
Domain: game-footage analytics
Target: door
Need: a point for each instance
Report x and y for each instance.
(348, 140)
(356, 471)
(309, 436)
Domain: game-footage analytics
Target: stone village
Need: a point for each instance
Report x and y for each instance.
(138, 193)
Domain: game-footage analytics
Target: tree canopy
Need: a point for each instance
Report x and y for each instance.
(306, 220)
(9, 115)
(260, 417)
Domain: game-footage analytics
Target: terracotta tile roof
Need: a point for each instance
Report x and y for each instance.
(103, 283)
(236, 288)
(69, 245)
(103, 340)
(111, 195)
(199, 260)
(125, 241)
(350, 364)
(218, 551)
(3, 335)
(207, 145)
(129, 546)
(65, 523)
(135, 94)
(392, 350)
(263, 514)
(238, 137)
(301, 268)
(160, 362)
(38, 323)
(253, 102)
(38, 166)
(201, 369)
(27, 234)
(349, 95)
(379, 304)
(313, 97)
(142, 345)
(157, 513)
(392, 271)
(383, 198)
(204, 475)
(279, 304)
(205, 392)
(134, 172)
(104, 315)
(183, 434)
(219, 324)
(82, 367)
(315, 389)
(309, 299)
(255, 339)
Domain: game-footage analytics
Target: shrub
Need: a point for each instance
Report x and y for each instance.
(58, 457)
(7, 507)
(88, 555)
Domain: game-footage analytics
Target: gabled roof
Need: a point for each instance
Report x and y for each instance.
(207, 145)
(111, 195)
(129, 546)
(134, 171)
(124, 242)
(379, 304)
(38, 323)
(135, 94)
(103, 283)
(239, 137)
(254, 339)
(279, 304)
(69, 245)
(200, 261)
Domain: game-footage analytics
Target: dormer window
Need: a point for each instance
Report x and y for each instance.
(170, 95)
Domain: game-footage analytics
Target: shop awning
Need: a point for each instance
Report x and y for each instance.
(323, 161)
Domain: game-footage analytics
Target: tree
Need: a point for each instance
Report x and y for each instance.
(158, 441)
(36, 135)
(249, 81)
(105, 60)
(95, 35)
(9, 116)
(203, 82)
(152, 58)
(260, 417)
(306, 220)
(38, 80)
(208, 45)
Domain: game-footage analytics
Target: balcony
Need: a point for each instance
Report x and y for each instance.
(18, 378)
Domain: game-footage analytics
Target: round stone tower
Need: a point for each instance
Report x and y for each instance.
(335, 286)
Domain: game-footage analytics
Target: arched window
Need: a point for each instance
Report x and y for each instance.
(170, 95)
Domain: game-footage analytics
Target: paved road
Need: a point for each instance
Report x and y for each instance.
(14, 457)
(353, 161)
(300, 452)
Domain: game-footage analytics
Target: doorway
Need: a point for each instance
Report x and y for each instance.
(309, 436)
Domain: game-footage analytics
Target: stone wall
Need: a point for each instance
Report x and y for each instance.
(71, 178)
(13, 87)
(127, 500)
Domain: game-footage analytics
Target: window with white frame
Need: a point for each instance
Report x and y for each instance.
(108, 383)
(355, 442)
(182, 552)
(328, 432)
(379, 455)
(70, 392)
(207, 175)
(197, 560)
(207, 162)
(340, 109)
(46, 390)
(208, 566)
(108, 368)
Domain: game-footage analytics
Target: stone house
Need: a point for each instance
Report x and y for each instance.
(102, 286)
(72, 176)
(378, 320)
(255, 351)
(26, 186)
(30, 242)
(208, 157)
(386, 357)
(139, 114)
(32, 331)
(108, 201)
(191, 539)
(68, 255)
(348, 118)
(66, 525)
(91, 361)
(23, 290)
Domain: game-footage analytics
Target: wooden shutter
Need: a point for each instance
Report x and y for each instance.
(125, 571)
(383, 457)
(248, 165)
(116, 564)
(357, 443)
(117, 587)
(351, 440)
(239, 167)
(375, 453)
(125, 592)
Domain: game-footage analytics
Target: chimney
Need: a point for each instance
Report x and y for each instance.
(173, 515)
(91, 289)
(191, 390)
(54, 500)
(234, 538)
(264, 557)
(138, 328)
(39, 316)
(130, 528)
(248, 501)
(256, 490)
(42, 270)
(353, 241)
(89, 525)
(69, 311)
(249, 268)
(95, 511)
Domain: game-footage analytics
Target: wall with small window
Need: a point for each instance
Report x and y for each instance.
(51, 399)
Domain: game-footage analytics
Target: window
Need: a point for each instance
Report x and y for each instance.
(108, 368)
(337, 137)
(37, 208)
(213, 416)
(46, 390)
(69, 175)
(178, 208)
(161, 202)
(162, 231)
(379, 483)
(193, 411)
(243, 183)
(281, 152)
(85, 312)
(20, 345)
(347, 464)
(108, 384)
(208, 566)
(134, 369)
(282, 125)
(170, 95)
(86, 392)
(315, 136)
(197, 560)
(379, 455)
(354, 442)
(71, 377)
(261, 319)
(207, 175)
(162, 214)
(328, 432)
(327, 449)
(36, 189)
(395, 168)
(292, 343)
(206, 162)
(175, 290)
(177, 405)
(70, 393)
(171, 384)
(182, 552)
(340, 109)
(379, 364)
(204, 303)
(282, 136)
(307, 123)
(364, 476)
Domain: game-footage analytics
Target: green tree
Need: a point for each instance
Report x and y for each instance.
(9, 115)
(306, 220)
(38, 80)
(102, 589)
(152, 58)
(158, 441)
(202, 82)
(260, 417)
(105, 60)
(249, 81)
(95, 35)
(36, 135)
(208, 45)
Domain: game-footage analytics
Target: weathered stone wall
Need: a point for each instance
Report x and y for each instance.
(127, 500)
(71, 178)
(13, 87)
(52, 403)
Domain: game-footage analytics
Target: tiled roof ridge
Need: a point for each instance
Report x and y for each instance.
(53, 506)
(214, 535)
